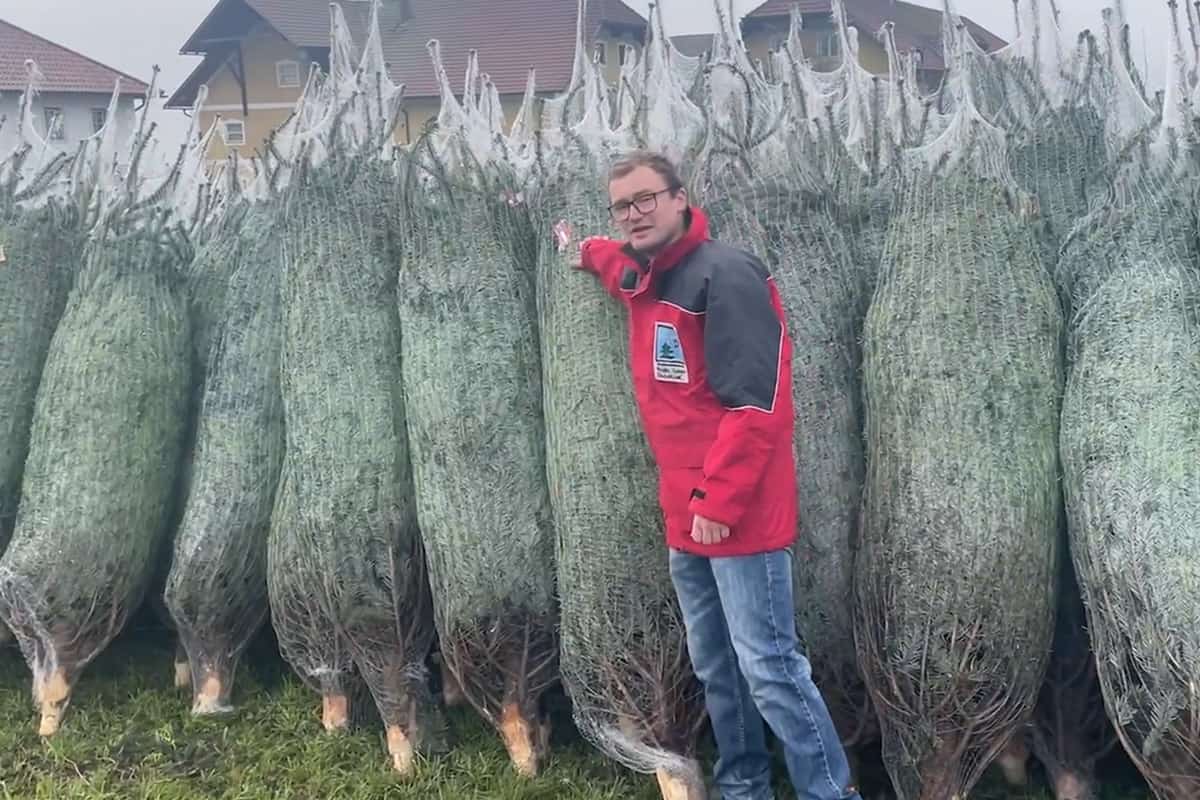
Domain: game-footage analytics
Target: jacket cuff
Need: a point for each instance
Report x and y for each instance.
(585, 254)
(704, 504)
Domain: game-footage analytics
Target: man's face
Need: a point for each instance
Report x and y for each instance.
(650, 216)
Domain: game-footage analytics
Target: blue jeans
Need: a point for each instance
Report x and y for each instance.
(741, 636)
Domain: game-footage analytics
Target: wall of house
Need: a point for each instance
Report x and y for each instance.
(610, 43)
(258, 126)
(77, 117)
(267, 103)
(762, 39)
(419, 111)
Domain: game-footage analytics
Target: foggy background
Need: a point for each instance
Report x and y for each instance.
(133, 35)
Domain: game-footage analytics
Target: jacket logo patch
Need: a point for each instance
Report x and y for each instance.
(669, 364)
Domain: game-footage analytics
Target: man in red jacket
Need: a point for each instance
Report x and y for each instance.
(712, 373)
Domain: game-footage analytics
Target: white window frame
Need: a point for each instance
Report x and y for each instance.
(288, 64)
(55, 133)
(600, 53)
(233, 141)
(829, 45)
(100, 115)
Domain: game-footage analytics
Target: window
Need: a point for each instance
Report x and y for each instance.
(601, 53)
(234, 132)
(625, 52)
(99, 117)
(287, 74)
(829, 45)
(55, 129)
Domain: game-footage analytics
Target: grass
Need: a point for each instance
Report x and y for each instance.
(129, 735)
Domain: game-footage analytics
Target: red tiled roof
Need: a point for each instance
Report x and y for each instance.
(305, 23)
(65, 70)
(916, 27)
(529, 33)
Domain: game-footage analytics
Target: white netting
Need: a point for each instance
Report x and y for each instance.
(349, 595)
(106, 434)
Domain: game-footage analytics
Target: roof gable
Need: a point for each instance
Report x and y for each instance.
(65, 70)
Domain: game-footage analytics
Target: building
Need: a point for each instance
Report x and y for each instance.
(256, 54)
(74, 96)
(917, 30)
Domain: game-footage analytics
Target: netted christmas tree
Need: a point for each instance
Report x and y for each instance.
(106, 440)
(962, 375)
(346, 572)
(216, 591)
(472, 378)
(42, 229)
(1129, 434)
(624, 656)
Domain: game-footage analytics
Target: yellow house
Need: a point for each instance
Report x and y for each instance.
(257, 54)
(917, 30)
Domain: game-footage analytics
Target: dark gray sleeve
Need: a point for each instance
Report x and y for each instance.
(742, 335)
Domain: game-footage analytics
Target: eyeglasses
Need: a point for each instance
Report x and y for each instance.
(644, 203)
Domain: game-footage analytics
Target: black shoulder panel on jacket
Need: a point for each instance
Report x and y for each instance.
(742, 333)
(686, 286)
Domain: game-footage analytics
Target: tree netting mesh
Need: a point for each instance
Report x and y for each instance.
(346, 576)
(45, 213)
(104, 451)
(472, 379)
(624, 656)
(345, 570)
(218, 253)
(962, 375)
(1127, 442)
(41, 250)
(106, 431)
(1045, 95)
(216, 591)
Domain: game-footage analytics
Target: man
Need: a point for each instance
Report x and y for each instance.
(712, 373)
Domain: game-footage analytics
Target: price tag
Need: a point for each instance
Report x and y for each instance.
(562, 235)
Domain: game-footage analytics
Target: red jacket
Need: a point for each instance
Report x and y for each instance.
(712, 372)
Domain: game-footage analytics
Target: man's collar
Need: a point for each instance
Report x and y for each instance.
(695, 234)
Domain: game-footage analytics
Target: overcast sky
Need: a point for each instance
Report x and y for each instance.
(133, 35)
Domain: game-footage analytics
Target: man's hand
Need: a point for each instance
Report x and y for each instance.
(706, 531)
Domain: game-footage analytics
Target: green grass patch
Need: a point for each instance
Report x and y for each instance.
(129, 735)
